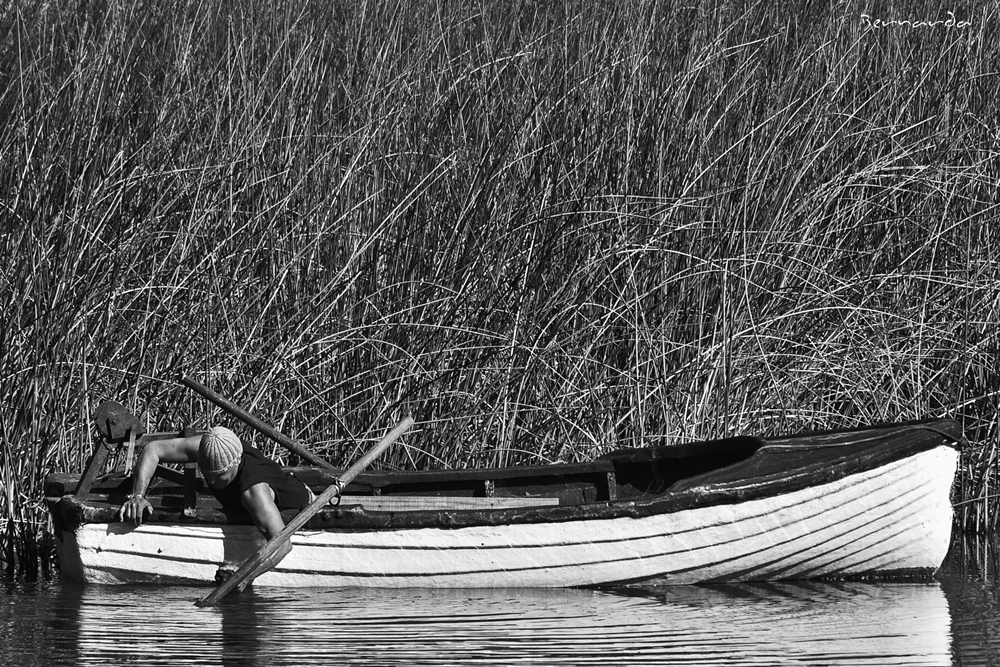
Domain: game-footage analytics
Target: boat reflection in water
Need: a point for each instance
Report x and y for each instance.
(773, 624)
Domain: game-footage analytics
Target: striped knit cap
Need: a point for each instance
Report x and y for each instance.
(219, 450)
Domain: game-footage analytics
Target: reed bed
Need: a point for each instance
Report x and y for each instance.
(546, 230)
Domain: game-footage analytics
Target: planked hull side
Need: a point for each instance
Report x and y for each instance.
(896, 517)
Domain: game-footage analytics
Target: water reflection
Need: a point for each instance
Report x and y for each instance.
(773, 624)
(970, 582)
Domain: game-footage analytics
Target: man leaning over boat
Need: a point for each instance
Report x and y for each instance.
(239, 476)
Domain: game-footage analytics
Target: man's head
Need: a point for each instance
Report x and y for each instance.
(219, 456)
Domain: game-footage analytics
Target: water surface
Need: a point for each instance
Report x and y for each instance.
(950, 621)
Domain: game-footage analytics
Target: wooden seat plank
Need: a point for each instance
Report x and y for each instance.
(414, 503)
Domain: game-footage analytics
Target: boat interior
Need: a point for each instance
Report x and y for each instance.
(622, 475)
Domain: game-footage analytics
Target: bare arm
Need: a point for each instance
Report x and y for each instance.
(259, 502)
(173, 450)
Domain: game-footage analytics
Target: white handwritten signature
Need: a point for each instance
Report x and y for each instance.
(883, 23)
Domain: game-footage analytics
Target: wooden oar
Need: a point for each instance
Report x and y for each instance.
(272, 546)
(253, 422)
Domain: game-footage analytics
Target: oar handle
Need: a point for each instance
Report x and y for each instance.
(255, 423)
(272, 545)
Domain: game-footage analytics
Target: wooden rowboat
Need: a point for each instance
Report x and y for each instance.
(841, 504)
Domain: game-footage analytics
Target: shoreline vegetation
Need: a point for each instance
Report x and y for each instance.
(545, 230)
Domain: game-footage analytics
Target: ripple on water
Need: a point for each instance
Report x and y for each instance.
(758, 624)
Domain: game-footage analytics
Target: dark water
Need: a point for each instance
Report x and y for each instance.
(954, 620)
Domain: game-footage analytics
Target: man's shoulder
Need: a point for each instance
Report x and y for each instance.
(252, 452)
(255, 463)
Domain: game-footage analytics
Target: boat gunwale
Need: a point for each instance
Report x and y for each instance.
(69, 512)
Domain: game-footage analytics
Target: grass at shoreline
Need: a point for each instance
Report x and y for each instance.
(545, 230)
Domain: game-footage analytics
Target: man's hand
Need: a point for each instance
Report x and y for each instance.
(224, 573)
(134, 509)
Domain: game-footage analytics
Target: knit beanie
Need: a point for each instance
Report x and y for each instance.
(219, 450)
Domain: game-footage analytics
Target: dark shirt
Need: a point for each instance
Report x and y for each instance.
(289, 493)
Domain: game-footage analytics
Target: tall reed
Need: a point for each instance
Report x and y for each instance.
(546, 230)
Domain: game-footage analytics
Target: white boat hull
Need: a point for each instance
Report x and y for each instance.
(895, 518)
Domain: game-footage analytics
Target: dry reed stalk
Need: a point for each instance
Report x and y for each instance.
(545, 230)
